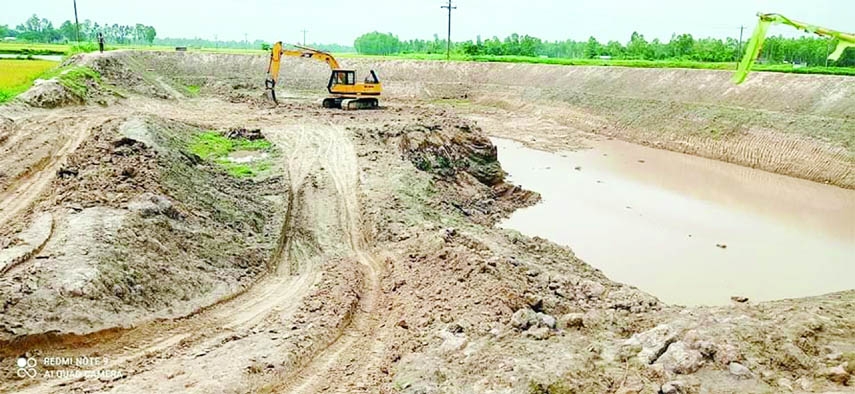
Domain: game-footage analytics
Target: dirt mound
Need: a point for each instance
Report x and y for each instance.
(435, 149)
(141, 232)
(242, 133)
(465, 164)
(50, 94)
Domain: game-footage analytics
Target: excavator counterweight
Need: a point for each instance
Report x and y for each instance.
(345, 92)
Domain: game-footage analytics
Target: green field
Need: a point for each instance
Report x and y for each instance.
(16, 76)
(17, 48)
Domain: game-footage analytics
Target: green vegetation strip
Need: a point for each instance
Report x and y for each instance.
(16, 76)
(781, 68)
(213, 146)
(33, 49)
(75, 78)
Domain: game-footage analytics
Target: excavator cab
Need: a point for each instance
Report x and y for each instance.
(350, 94)
(341, 77)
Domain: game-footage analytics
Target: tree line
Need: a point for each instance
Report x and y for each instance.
(812, 51)
(37, 29)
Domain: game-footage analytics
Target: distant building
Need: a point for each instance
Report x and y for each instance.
(605, 58)
(9, 39)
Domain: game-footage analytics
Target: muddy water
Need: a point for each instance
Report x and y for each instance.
(687, 229)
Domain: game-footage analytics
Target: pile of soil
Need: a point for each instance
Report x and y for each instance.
(244, 134)
(175, 235)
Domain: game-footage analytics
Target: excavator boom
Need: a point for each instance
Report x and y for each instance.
(347, 93)
(755, 44)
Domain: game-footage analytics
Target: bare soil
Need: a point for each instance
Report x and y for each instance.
(367, 259)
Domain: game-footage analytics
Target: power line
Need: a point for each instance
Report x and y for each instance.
(739, 48)
(76, 23)
(448, 43)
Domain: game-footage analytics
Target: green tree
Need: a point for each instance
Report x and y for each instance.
(150, 34)
(376, 43)
(592, 48)
(614, 49)
(682, 45)
(68, 31)
(493, 46)
(637, 48)
(530, 46)
(470, 49)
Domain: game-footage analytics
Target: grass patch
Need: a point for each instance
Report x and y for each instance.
(75, 79)
(16, 76)
(193, 90)
(211, 145)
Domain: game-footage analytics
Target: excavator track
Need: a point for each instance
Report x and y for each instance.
(351, 104)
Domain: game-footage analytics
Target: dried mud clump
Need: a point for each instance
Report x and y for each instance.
(108, 170)
(6, 126)
(243, 133)
(448, 149)
(50, 94)
(465, 164)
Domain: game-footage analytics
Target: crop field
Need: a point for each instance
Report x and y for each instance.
(17, 75)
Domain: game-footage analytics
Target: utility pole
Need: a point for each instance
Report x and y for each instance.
(304, 36)
(448, 43)
(76, 23)
(739, 48)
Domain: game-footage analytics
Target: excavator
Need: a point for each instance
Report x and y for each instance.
(345, 91)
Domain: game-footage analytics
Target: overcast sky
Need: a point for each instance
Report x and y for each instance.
(340, 21)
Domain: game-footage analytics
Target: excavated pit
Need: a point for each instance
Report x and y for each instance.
(366, 258)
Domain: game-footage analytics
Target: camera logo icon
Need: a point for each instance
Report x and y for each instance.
(27, 367)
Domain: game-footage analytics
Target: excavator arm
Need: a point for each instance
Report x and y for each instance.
(755, 44)
(278, 52)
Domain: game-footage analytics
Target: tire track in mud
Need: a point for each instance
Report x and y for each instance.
(340, 161)
(159, 346)
(25, 190)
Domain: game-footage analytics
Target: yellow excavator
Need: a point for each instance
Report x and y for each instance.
(346, 92)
